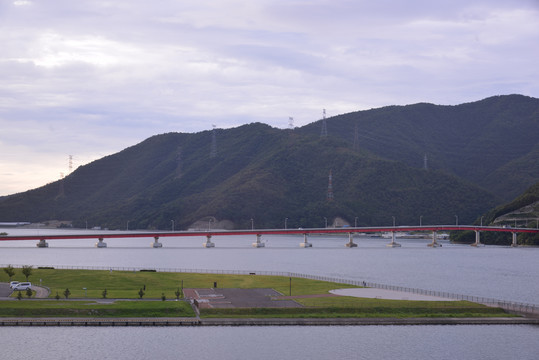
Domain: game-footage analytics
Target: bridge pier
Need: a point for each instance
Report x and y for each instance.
(156, 243)
(100, 244)
(42, 243)
(393, 243)
(208, 243)
(305, 243)
(514, 243)
(351, 242)
(477, 238)
(434, 243)
(258, 244)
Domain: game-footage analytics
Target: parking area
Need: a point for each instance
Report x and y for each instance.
(237, 298)
(5, 291)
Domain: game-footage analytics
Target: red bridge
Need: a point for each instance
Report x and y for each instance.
(42, 239)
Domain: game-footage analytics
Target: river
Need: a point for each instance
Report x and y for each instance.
(497, 272)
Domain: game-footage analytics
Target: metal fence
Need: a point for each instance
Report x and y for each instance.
(507, 305)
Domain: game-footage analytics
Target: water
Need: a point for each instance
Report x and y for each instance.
(495, 272)
(296, 342)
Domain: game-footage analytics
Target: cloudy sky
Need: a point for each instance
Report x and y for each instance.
(90, 78)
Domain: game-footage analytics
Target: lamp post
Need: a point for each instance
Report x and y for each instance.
(420, 220)
(209, 224)
(457, 220)
(172, 224)
(285, 223)
(393, 221)
(481, 221)
(252, 224)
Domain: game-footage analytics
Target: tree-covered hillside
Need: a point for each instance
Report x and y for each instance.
(521, 212)
(492, 143)
(269, 175)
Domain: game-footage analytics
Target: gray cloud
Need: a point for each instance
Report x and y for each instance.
(90, 78)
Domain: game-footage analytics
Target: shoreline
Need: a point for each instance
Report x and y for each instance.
(263, 321)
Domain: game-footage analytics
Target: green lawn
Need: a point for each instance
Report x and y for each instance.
(126, 285)
(62, 308)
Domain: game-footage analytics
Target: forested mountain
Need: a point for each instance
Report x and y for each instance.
(492, 143)
(521, 212)
(267, 174)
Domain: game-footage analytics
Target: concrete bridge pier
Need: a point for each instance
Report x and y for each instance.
(514, 243)
(100, 243)
(393, 243)
(477, 238)
(208, 243)
(351, 242)
(156, 243)
(434, 243)
(258, 244)
(42, 243)
(305, 243)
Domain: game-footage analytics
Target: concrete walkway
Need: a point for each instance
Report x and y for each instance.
(374, 293)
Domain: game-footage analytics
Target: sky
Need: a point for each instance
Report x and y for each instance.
(88, 78)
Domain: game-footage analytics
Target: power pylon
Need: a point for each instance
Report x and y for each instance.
(213, 151)
(324, 131)
(329, 195)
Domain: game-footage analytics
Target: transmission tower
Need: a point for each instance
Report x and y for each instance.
(290, 122)
(213, 151)
(329, 195)
(70, 163)
(324, 132)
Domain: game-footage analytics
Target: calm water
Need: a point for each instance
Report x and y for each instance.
(496, 272)
(336, 342)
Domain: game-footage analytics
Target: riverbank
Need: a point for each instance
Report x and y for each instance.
(119, 322)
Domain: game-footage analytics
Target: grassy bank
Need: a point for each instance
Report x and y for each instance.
(54, 308)
(126, 285)
(352, 307)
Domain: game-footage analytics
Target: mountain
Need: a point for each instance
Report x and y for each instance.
(492, 143)
(269, 175)
(521, 212)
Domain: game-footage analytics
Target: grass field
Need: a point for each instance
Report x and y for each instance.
(126, 285)
(62, 308)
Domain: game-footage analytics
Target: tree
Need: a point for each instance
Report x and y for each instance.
(104, 294)
(163, 297)
(141, 293)
(57, 297)
(178, 293)
(19, 296)
(27, 271)
(10, 271)
(67, 293)
(29, 292)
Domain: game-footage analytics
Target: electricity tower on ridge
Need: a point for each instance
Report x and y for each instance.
(324, 132)
(329, 195)
(213, 151)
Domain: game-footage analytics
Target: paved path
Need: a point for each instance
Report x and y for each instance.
(5, 292)
(386, 294)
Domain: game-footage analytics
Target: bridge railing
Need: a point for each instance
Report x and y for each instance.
(519, 307)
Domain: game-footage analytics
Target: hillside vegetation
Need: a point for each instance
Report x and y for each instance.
(268, 174)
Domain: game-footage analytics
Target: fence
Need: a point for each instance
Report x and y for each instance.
(507, 305)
